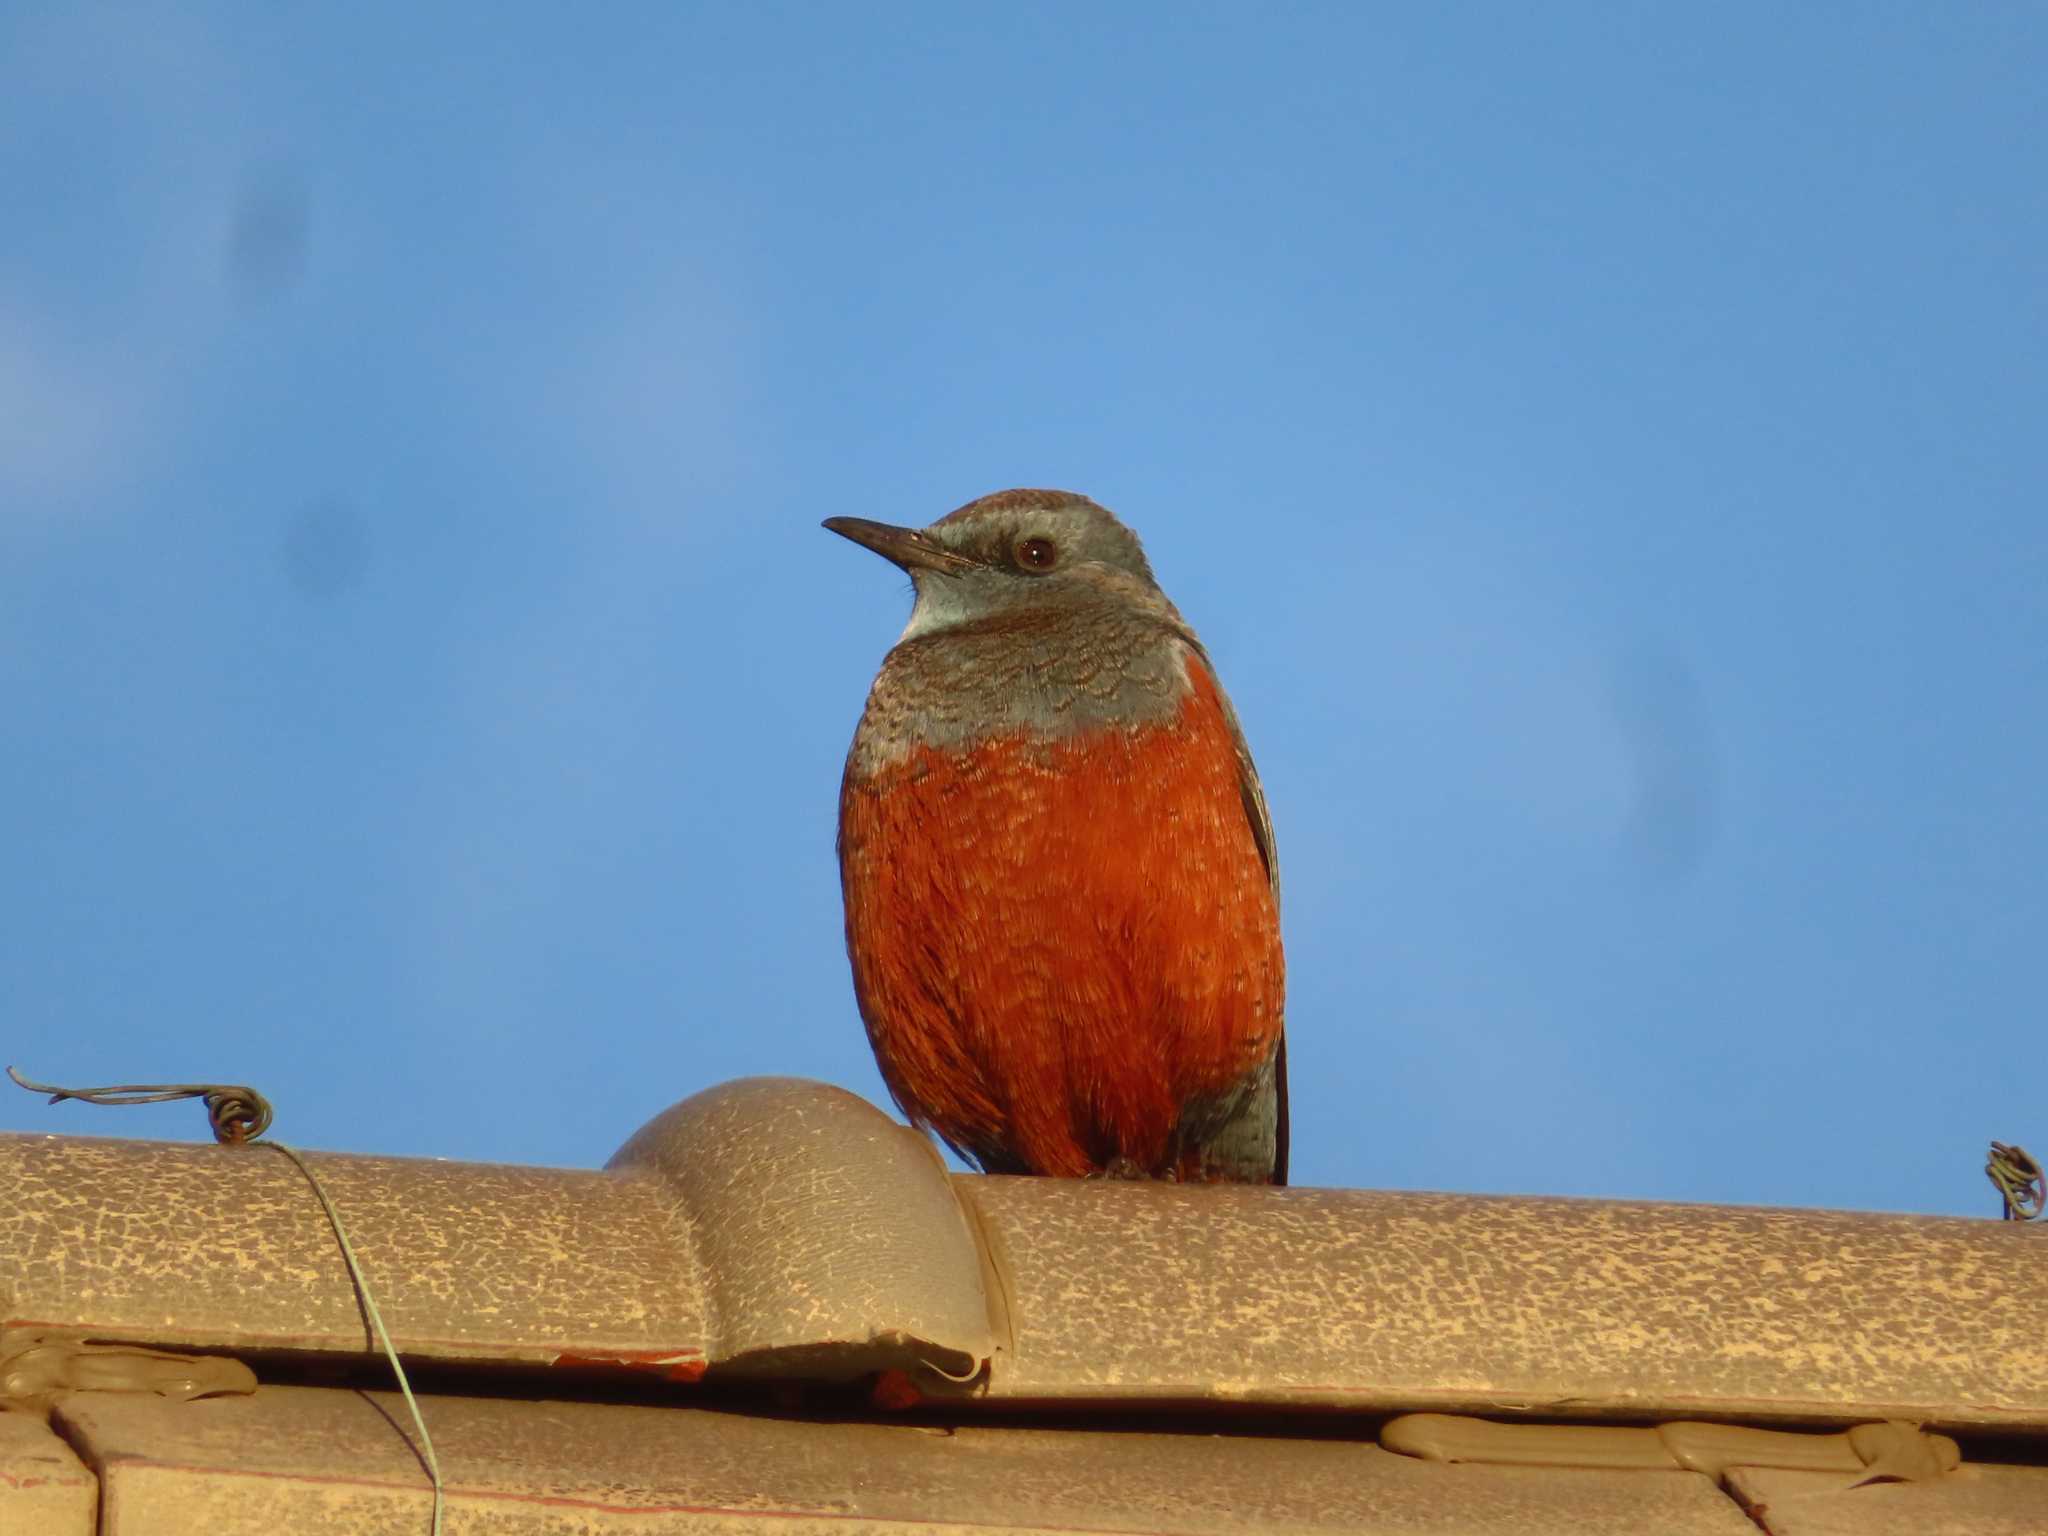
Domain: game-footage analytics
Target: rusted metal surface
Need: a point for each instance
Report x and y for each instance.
(315, 1461)
(1973, 1501)
(44, 1489)
(197, 1247)
(1573, 1309)
(827, 1235)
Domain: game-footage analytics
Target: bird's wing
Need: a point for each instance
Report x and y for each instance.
(1254, 797)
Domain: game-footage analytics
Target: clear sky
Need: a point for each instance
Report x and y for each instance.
(1605, 448)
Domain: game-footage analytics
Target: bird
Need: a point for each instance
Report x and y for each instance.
(1061, 895)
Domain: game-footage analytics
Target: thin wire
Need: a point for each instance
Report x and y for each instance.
(355, 1273)
(239, 1116)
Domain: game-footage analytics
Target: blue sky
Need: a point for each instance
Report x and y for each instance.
(1602, 446)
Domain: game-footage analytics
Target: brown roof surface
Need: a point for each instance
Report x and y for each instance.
(1972, 1501)
(44, 1487)
(291, 1458)
(784, 1230)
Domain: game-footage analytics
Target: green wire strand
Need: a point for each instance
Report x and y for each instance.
(355, 1273)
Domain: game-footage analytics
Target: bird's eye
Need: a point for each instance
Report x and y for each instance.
(1037, 554)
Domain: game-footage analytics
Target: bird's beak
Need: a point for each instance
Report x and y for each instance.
(911, 548)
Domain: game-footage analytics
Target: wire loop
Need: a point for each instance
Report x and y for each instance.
(237, 1112)
(2019, 1180)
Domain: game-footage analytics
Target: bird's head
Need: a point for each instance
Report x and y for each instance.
(1015, 550)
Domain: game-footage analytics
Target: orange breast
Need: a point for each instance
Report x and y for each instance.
(1057, 945)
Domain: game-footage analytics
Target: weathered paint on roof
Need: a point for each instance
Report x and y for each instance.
(44, 1488)
(775, 1227)
(783, 1230)
(300, 1459)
